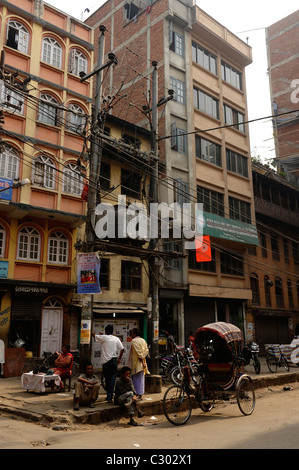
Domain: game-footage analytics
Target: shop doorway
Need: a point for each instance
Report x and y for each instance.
(51, 334)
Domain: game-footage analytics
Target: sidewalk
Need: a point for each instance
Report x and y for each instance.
(57, 408)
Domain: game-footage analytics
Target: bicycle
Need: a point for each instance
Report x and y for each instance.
(275, 359)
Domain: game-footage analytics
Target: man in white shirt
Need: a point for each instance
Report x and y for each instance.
(112, 351)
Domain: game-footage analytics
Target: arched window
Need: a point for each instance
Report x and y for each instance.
(17, 36)
(58, 248)
(77, 62)
(48, 111)
(76, 118)
(279, 292)
(43, 173)
(254, 285)
(72, 179)
(267, 284)
(9, 163)
(51, 52)
(29, 241)
(2, 241)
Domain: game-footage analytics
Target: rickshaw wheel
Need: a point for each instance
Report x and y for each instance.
(205, 403)
(245, 395)
(177, 405)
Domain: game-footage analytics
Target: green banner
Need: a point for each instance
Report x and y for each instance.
(227, 229)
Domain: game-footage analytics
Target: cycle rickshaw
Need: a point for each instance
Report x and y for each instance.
(219, 375)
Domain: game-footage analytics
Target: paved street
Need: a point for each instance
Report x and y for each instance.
(273, 425)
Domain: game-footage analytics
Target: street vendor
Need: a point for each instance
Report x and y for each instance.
(64, 364)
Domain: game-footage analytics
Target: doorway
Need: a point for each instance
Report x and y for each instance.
(51, 334)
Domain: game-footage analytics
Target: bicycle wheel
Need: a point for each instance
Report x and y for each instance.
(177, 405)
(257, 365)
(245, 396)
(271, 362)
(205, 402)
(284, 363)
(176, 375)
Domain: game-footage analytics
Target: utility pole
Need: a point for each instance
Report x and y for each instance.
(94, 176)
(154, 198)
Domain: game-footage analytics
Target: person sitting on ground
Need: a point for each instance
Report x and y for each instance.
(125, 395)
(63, 364)
(87, 388)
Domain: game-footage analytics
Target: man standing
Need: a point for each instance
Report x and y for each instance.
(112, 351)
(138, 353)
(87, 388)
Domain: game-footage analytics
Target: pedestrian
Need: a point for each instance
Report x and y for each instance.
(111, 353)
(170, 342)
(137, 358)
(87, 388)
(125, 395)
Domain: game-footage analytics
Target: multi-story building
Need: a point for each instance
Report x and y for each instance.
(124, 281)
(283, 63)
(43, 139)
(273, 312)
(203, 145)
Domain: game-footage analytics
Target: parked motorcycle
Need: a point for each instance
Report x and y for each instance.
(250, 353)
(184, 357)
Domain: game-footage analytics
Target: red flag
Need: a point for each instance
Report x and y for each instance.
(84, 194)
(203, 249)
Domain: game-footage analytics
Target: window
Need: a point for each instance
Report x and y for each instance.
(208, 151)
(179, 90)
(43, 173)
(2, 241)
(263, 240)
(279, 292)
(295, 247)
(9, 163)
(239, 210)
(130, 183)
(130, 10)
(178, 139)
(204, 58)
(237, 163)
(105, 176)
(58, 248)
(275, 246)
(104, 273)
(48, 111)
(12, 100)
(205, 103)
(130, 276)
(207, 266)
(17, 37)
(181, 191)
(234, 118)
(51, 52)
(254, 285)
(286, 249)
(231, 75)
(267, 285)
(290, 294)
(173, 263)
(76, 118)
(77, 62)
(213, 202)
(29, 244)
(231, 264)
(176, 42)
(72, 180)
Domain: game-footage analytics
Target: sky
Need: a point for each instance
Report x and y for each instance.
(248, 21)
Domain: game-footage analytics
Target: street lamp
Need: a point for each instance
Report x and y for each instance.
(16, 184)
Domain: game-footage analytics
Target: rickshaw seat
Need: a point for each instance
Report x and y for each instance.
(220, 373)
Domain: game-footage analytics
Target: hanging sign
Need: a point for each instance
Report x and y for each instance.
(88, 273)
(203, 249)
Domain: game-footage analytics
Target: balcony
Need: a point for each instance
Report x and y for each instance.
(276, 212)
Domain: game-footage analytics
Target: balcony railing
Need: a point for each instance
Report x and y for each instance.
(276, 212)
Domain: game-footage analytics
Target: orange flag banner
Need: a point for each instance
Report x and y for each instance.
(203, 249)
